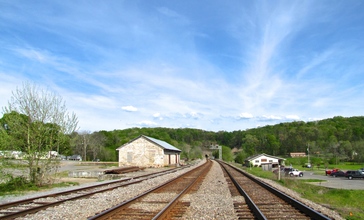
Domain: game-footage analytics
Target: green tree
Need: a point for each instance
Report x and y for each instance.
(240, 157)
(273, 143)
(250, 143)
(37, 122)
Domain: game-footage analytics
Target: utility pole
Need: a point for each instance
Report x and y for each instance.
(308, 154)
(84, 146)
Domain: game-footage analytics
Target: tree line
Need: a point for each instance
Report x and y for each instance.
(337, 138)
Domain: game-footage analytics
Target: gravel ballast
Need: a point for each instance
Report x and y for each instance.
(211, 201)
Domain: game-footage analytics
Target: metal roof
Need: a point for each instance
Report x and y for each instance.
(160, 143)
(163, 144)
(259, 155)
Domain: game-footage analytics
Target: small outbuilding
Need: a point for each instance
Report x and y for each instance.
(297, 154)
(145, 151)
(264, 160)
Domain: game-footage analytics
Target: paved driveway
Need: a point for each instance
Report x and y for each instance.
(334, 182)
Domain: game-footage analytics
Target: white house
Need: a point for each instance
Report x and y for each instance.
(145, 151)
(263, 159)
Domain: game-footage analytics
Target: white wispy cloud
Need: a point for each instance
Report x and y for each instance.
(158, 116)
(245, 115)
(129, 108)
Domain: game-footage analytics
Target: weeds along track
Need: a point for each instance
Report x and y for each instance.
(263, 201)
(20, 208)
(161, 202)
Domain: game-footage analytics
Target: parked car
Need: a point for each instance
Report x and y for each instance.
(328, 172)
(361, 170)
(276, 170)
(75, 157)
(61, 157)
(351, 174)
(338, 173)
(307, 165)
(287, 169)
(295, 172)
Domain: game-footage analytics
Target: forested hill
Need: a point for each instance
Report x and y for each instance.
(338, 135)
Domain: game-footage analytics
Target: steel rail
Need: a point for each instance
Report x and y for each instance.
(257, 212)
(295, 203)
(24, 201)
(164, 212)
(44, 205)
(109, 212)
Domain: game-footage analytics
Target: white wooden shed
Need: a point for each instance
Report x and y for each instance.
(145, 151)
(264, 159)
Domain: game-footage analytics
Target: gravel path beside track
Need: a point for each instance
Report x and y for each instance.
(213, 199)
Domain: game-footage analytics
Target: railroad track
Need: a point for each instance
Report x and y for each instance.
(161, 202)
(20, 208)
(263, 201)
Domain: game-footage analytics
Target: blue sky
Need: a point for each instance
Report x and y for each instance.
(212, 65)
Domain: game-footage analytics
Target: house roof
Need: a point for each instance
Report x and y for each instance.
(160, 143)
(259, 155)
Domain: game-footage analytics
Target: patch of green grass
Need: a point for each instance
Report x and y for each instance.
(257, 171)
(343, 201)
(20, 185)
(61, 174)
(15, 185)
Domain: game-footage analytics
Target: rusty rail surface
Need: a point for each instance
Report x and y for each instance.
(264, 201)
(161, 202)
(123, 170)
(23, 207)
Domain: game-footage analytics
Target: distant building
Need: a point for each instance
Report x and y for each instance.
(298, 154)
(145, 151)
(263, 160)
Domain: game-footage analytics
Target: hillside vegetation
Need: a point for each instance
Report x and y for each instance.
(332, 140)
(329, 141)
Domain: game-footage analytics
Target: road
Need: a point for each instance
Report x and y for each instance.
(334, 182)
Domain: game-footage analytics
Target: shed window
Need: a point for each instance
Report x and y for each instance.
(270, 161)
(264, 160)
(256, 161)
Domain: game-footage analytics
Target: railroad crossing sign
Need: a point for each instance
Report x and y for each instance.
(217, 147)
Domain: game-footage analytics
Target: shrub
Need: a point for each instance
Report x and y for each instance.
(15, 184)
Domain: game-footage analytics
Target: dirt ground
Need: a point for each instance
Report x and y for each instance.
(67, 166)
(78, 180)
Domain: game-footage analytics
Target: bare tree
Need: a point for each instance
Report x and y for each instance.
(87, 144)
(40, 119)
(84, 138)
(96, 144)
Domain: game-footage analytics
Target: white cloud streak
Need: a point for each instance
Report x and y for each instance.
(129, 108)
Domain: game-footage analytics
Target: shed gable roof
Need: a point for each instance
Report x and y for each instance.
(160, 143)
(259, 155)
